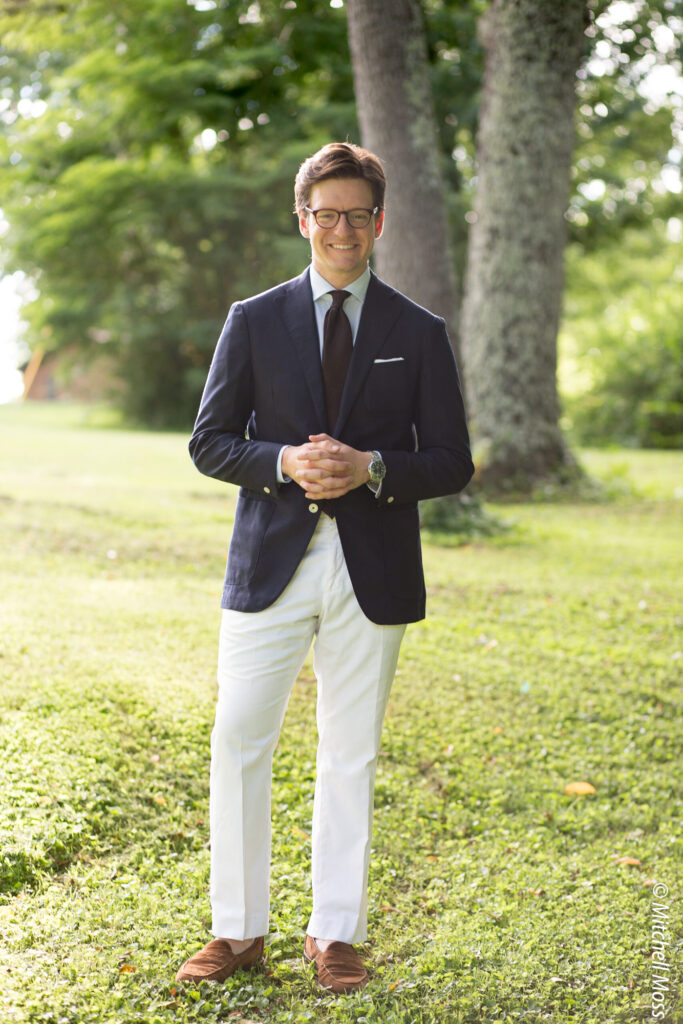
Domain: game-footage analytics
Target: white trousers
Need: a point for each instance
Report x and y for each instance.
(260, 655)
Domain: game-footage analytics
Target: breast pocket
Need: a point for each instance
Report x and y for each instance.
(388, 386)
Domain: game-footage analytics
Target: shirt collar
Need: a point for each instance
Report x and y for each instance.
(357, 288)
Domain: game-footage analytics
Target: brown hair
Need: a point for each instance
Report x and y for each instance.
(340, 160)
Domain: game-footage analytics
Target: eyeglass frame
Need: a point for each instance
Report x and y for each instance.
(329, 209)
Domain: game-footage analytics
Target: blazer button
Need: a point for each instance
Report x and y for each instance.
(389, 501)
(267, 490)
(313, 507)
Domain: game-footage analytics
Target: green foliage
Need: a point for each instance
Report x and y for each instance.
(622, 342)
(628, 131)
(138, 227)
(459, 518)
(621, 345)
(494, 896)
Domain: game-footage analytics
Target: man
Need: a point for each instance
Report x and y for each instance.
(333, 402)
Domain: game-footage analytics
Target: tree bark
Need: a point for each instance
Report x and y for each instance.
(515, 277)
(396, 116)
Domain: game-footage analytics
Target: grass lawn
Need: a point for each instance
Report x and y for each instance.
(552, 654)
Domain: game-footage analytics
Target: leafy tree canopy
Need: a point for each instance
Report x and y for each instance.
(147, 152)
(150, 153)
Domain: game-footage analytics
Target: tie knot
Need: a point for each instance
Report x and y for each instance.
(337, 299)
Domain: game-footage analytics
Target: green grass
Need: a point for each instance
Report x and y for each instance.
(552, 653)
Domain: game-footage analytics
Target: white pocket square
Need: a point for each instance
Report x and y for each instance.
(394, 359)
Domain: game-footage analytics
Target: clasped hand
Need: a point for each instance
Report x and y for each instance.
(325, 468)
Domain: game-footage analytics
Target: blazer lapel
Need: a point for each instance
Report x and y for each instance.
(299, 318)
(380, 312)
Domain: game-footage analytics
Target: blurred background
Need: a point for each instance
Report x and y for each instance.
(147, 155)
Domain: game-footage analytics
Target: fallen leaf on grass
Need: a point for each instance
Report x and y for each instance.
(127, 969)
(629, 861)
(159, 799)
(497, 729)
(579, 789)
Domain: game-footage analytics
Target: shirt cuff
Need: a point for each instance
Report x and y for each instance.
(281, 478)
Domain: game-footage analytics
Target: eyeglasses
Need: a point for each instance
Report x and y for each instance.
(354, 218)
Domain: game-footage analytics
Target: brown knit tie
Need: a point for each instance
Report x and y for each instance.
(337, 350)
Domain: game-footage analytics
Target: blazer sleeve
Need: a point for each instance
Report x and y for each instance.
(220, 446)
(442, 462)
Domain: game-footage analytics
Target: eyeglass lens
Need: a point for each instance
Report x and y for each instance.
(330, 218)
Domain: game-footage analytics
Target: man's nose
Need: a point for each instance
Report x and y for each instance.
(343, 226)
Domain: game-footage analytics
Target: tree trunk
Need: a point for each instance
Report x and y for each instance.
(396, 116)
(515, 277)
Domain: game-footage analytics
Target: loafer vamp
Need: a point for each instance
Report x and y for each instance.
(339, 966)
(216, 961)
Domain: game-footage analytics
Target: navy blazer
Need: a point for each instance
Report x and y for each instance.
(402, 396)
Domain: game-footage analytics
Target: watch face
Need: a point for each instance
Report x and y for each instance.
(377, 470)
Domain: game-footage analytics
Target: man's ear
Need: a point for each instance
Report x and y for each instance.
(303, 223)
(379, 224)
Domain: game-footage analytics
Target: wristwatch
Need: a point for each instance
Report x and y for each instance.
(377, 469)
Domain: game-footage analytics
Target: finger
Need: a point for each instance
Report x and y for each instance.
(325, 451)
(324, 440)
(328, 488)
(334, 467)
(331, 476)
(330, 454)
(308, 451)
(330, 466)
(327, 495)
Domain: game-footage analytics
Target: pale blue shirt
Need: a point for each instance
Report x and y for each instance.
(322, 300)
(353, 306)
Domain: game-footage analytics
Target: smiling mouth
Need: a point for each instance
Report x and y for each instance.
(343, 247)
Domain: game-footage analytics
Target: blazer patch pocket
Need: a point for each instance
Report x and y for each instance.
(388, 385)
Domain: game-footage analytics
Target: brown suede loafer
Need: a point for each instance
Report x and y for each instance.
(339, 966)
(216, 961)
